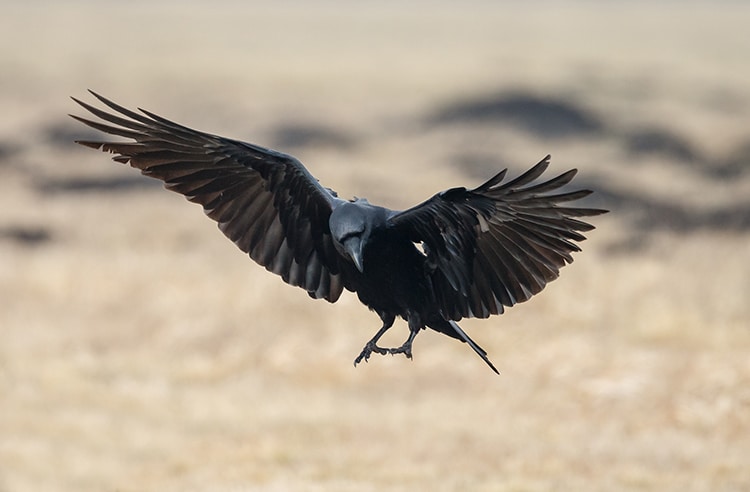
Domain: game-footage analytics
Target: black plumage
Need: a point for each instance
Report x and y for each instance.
(460, 254)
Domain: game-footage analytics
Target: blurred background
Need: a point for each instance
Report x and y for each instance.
(140, 350)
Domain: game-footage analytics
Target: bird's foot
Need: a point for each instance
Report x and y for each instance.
(367, 351)
(372, 346)
(403, 349)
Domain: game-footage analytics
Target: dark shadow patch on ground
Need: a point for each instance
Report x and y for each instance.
(300, 135)
(25, 234)
(96, 184)
(7, 151)
(656, 141)
(651, 213)
(542, 116)
(651, 141)
(648, 214)
(63, 134)
(736, 163)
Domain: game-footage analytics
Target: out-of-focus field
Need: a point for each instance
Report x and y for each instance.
(140, 350)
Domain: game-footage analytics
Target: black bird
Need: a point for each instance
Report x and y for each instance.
(461, 254)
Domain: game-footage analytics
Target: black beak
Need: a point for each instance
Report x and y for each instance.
(353, 246)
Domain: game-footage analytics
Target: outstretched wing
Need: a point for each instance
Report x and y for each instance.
(264, 201)
(498, 244)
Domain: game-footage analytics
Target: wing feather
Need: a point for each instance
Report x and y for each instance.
(499, 243)
(266, 202)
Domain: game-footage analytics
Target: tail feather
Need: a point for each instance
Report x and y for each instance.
(452, 329)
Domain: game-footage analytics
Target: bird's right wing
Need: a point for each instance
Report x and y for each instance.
(264, 201)
(497, 244)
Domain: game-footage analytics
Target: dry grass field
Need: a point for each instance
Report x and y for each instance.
(141, 351)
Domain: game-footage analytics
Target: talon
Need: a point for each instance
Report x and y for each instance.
(372, 345)
(403, 349)
(367, 351)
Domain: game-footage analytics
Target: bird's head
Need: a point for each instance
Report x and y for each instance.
(351, 224)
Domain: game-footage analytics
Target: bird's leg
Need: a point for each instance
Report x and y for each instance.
(414, 326)
(372, 345)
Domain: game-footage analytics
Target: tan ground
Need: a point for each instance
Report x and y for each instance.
(140, 351)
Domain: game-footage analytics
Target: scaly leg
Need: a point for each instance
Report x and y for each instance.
(372, 345)
(414, 326)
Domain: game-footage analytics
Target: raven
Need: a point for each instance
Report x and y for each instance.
(464, 253)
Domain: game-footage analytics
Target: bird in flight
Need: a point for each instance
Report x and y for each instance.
(464, 253)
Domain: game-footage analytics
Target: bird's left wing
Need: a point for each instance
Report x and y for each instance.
(265, 201)
(498, 244)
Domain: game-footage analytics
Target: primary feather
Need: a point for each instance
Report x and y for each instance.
(264, 201)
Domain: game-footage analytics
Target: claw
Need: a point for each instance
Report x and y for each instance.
(367, 351)
(403, 349)
(372, 345)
